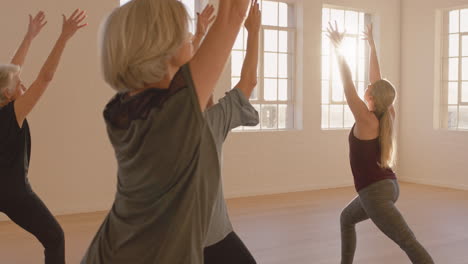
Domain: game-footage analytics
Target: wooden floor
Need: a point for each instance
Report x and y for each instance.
(297, 228)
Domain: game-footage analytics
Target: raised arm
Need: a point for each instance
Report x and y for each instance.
(35, 26)
(374, 66)
(25, 103)
(358, 107)
(210, 59)
(204, 21)
(248, 79)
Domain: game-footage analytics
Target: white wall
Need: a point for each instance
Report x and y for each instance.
(73, 167)
(427, 155)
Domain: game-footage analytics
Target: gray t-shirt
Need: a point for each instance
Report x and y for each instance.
(168, 177)
(230, 112)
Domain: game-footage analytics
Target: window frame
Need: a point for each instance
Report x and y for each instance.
(331, 60)
(259, 102)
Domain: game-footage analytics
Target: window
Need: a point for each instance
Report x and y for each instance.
(335, 111)
(454, 92)
(191, 5)
(274, 95)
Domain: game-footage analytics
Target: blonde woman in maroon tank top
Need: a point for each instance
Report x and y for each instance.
(371, 157)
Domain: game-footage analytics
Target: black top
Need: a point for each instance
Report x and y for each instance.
(15, 152)
(364, 156)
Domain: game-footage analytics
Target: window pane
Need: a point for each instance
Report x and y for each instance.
(361, 89)
(325, 18)
(464, 20)
(271, 40)
(325, 67)
(454, 42)
(464, 91)
(465, 69)
(453, 93)
(453, 69)
(123, 2)
(465, 45)
(454, 21)
(452, 116)
(335, 71)
(362, 48)
(349, 46)
(362, 23)
(351, 22)
(463, 117)
(348, 117)
(338, 16)
(237, 59)
(283, 89)
(283, 66)
(283, 42)
(352, 66)
(283, 15)
(270, 13)
(325, 116)
(269, 117)
(239, 44)
(282, 116)
(234, 82)
(271, 64)
(271, 89)
(190, 5)
(336, 116)
(325, 92)
(325, 44)
(337, 92)
(362, 70)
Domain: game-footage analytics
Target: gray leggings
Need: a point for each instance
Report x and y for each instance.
(377, 202)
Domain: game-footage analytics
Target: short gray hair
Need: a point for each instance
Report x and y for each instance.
(138, 39)
(7, 72)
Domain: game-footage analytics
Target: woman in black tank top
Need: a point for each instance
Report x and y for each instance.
(17, 199)
(371, 158)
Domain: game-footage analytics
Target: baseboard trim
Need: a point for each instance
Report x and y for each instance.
(290, 189)
(434, 183)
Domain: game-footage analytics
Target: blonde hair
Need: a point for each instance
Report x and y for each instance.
(138, 39)
(7, 72)
(384, 94)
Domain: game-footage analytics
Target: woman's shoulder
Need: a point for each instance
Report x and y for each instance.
(122, 109)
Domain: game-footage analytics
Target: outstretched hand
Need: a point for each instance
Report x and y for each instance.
(254, 19)
(72, 24)
(204, 20)
(36, 24)
(335, 36)
(369, 35)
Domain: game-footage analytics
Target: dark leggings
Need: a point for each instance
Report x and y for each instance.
(377, 202)
(30, 213)
(230, 250)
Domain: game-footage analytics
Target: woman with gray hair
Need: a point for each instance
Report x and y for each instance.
(17, 199)
(168, 167)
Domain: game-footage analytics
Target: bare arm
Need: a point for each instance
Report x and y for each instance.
(358, 107)
(374, 67)
(208, 63)
(25, 103)
(248, 79)
(34, 28)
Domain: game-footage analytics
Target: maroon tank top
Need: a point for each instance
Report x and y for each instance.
(364, 156)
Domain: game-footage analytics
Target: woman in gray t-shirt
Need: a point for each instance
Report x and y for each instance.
(167, 160)
(233, 110)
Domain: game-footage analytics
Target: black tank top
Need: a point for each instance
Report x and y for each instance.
(364, 156)
(15, 152)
